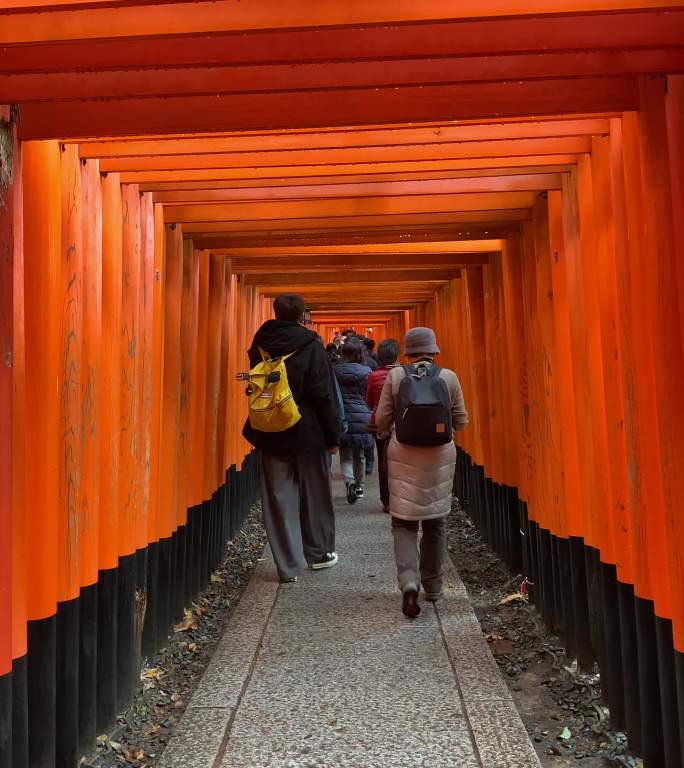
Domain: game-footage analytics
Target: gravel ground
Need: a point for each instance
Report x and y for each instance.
(168, 681)
(568, 721)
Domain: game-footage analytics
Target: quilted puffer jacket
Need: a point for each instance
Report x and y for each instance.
(420, 479)
(352, 378)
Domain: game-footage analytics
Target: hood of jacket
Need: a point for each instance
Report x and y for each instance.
(280, 337)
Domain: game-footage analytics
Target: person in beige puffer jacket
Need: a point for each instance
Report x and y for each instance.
(420, 481)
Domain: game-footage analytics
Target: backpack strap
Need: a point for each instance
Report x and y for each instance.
(265, 356)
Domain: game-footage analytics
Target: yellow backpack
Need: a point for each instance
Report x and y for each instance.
(272, 407)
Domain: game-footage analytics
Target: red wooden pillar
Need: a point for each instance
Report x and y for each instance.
(43, 311)
(90, 449)
(9, 166)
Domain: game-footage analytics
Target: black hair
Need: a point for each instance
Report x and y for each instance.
(289, 306)
(348, 332)
(352, 351)
(388, 351)
(370, 344)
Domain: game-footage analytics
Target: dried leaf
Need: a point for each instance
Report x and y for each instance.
(192, 647)
(151, 674)
(493, 637)
(187, 623)
(514, 598)
(216, 579)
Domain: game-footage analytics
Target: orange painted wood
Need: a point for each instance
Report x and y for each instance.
(350, 171)
(674, 105)
(199, 387)
(131, 374)
(19, 458)
(170, 412)
(91, 383)
(71, 356)
(147, 19)
(310, 109)
(145, 524)
(620, 31)
(357, 156)
(158, 313)
(271, 78)
(572, 478)
(668, 358)
(399, 135)
(213, 380)
(112, 246)
(8, 242)
(42, 292)
(606, 266)
(188, 343)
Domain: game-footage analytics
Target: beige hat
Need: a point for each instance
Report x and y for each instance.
(420, 341)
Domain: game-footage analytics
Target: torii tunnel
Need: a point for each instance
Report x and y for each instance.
(509, 172)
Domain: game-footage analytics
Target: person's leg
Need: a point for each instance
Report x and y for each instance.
(316, 510)
(346, 463)
(382, 473)
(405, 533)
(280, 506)
(433, 547)
(406, 554)
(359, 465)
(369, 453)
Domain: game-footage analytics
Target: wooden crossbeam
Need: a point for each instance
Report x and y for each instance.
(418, 276)
(358, 262)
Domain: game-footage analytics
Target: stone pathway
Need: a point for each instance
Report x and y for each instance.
(328, 672)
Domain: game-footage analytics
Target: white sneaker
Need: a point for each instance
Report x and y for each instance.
(327, 561)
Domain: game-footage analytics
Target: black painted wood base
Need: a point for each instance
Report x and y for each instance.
(66, 742)
(87, 670)
(20, 747)
(42, 691)
(6, 720)
(600, 619)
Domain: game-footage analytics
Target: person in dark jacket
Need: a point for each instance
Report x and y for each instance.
(388, 352)
(352, 377)
(295, 485)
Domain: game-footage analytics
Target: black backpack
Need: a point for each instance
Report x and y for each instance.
(423, 407)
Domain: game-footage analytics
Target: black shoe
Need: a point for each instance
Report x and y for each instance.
(359, 492)
(327, 561)
(409, 603)
(289, 579)
(351, 493)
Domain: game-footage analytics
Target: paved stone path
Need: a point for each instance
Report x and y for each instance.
(328, 672)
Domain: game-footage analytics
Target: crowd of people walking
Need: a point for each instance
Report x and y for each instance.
(309, 402)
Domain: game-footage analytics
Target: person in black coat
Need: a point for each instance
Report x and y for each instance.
(296, 495)
(352, 377)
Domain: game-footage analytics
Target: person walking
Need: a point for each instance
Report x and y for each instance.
(388, 352)
(421, 405)
(352, 377)
(296, 495)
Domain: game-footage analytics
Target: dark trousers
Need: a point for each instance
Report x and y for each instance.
(381, 445)
(370, 458)
(416, 566)
(296, 499)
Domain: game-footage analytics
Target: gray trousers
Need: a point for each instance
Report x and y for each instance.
(353, 464)
(414, 567)
(296, 499)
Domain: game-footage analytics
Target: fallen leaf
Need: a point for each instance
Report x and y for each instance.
(187, 623)
(152, 729)
(565, 734)
(151, 674)
(504, 647)
(515, 597)
(492, 637)
(216, 579)
(192, 647)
